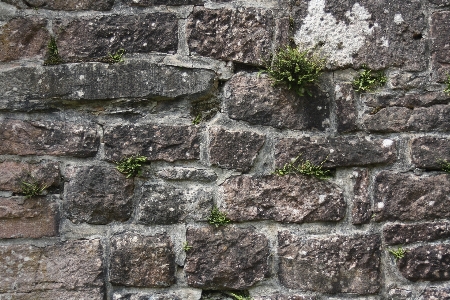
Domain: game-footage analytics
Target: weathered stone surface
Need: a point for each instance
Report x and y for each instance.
(226, 258)
(234, 149)
(407, 197)
(295, 199)
(161, 203)
(97, 195)
(430, 263)
(89, 81)
(156, 142)
(440, 22)
(96, 37)
(346, 112)
(178, 294)
(61, 271)
(435, 293)
(23, 38)
(399, 294)
(342, 151)
(253, 99)
(428, 151)
(411, 233)
(242, 35)
(285, 297)
(48, 138)
(411, 100)
(142, 261)
(185, 173)
(401, 119)
(28, 218)
(145, 3)
(333, 264)
(14, 173)
(63, 4)
(361, 210)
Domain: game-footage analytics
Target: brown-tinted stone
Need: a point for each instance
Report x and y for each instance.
(185, 173)
(35, 217)
(99, 36)
(440, 22)
(340, 151)
(97, 195)
(411, 233)
(142, 261)
(145, 3)
(22, 38)
(60, 271)
(234, 149)
(63, 4)
(346, 112)
(173, 294)
(156, 142)
(361, 210)
(295, 199)
(407, 197)
(254, 99)
(226, 258)
(332, 264)
(430, 263)
(13, 173)
(48, 138)
(161, 203)
(435, 293)
(243, 35)
(429, 151)
(411, 100)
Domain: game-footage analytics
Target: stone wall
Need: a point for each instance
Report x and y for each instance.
(95, 234)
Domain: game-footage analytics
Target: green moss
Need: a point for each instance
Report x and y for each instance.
(445, 165)
(368, 80)
(447, 89)
(398, 253)
(32, 189)
(53, 57)
(131, 166)
(218, 218)
(114, 58)
(304, 167)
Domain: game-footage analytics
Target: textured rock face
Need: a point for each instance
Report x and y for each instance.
(407, 197)
(63, 4)
(228, 258)
(440, 21)
(336, 264)
(69, 270)
(430, 263)
(14, 173)
(361, 211)
(295, 199)
(346, 112)
(145, 3)
(182, 173)
(48, 138)
(142, 261)
(98, 195)
(234, 149)
(427, 152)
(435, 293)
(253, 99)
(156, 142)
(406, 234)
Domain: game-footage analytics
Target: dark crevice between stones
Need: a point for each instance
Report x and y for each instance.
(240, 67)
(204, 109)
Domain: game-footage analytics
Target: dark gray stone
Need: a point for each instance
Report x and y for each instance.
(295, 199)
(63, 4)
(429, 262)
(234, 149)
(97, 195)
(287, 297)
(341, 151)
(411, 101)
(142, 261)
(185, 173)
(399, 294)
(361, 210)
(226, 258)
(146, 3)
(48, 138)
(440, 22)
(407, 197)
(429, 151)
(161, 203)
(332, 264)
(254, 99)
(156, 142)
(435, 293)
(346, 111)
(412, 233)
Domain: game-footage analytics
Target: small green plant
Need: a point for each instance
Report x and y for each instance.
(186, 247)
(398, 253)
(32, 189)
(445, 165)
(304, 167)
(197, 119)
(298, 70)
(53, 57)
(447, 90)
(368, 80)
(218, 218)
(114, 58)
(242, 296)
(131, 166)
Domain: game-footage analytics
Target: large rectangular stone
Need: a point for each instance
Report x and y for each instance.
(429, 151)
(440, 22)
(410, 233)
(361, 210)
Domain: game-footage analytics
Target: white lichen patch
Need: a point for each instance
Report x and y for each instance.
(339, 41)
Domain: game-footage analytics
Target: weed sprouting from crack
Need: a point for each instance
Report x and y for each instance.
(32, 189)
(304, 167)
(218, 218)
(368, 80)
(398, 253)
(447, 89)
(445, 165)
(114, 58)
(53, 57)
(131, 166)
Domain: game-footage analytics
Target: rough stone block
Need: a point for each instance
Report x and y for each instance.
(164, 204)
(35, 217)
(440, 22)
(296, 199)
(234, 149)
(333, 264)
(23, 38)
(63, 4)
(346, 111)
(255, 100)
(399, 294)
(97, 195)
(89, 38)
(435, 293)
(429, 262)
(411, 100)
(361, 210)
(407, 197)
(61, 271)
(342, 151)
(174, 294)
(48, 138)
(428, 151)
(156, 142)
(411, 233)
(244, 35)
(285, 297)
(185, 173)
(226, 258)
(142, 261)
(146, 3)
